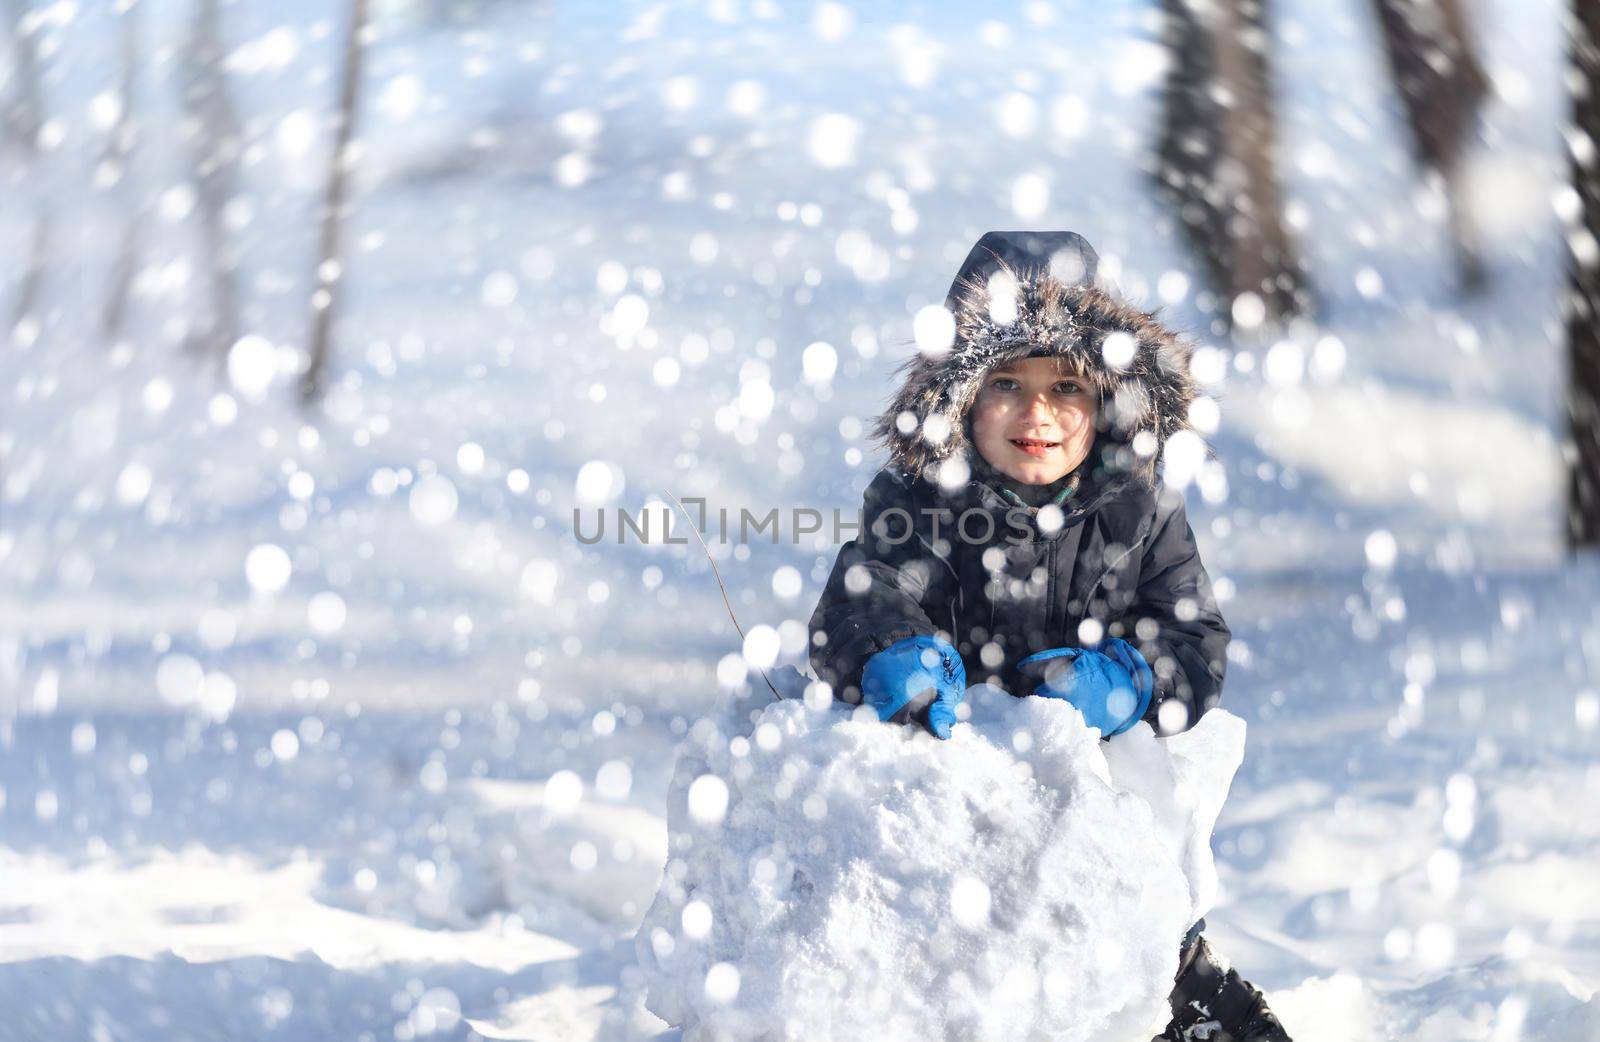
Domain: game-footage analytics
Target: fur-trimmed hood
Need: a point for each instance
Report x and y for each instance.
(1029, 294)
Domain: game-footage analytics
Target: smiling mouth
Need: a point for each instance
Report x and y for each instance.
(1034, 446)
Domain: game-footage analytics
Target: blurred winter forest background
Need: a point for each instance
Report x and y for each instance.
(320, 320)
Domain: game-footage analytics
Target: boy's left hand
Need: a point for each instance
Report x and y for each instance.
(1110, 684)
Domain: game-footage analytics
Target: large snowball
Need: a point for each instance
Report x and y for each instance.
(1022, 880)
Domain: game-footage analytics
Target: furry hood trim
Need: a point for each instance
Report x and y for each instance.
(1139, 367)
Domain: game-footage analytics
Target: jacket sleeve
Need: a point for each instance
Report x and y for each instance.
(876, 593)
(1189, 650)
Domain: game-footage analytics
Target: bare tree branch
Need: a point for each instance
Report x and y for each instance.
(1439, 78)
(328, 252)
(1218, 153)
(20, 120)
(215, 146)
(21, 117)
(1583, 316)
(119, 154)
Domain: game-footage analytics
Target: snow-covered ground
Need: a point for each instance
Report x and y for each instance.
(323, 724)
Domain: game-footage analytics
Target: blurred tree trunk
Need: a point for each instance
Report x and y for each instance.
(329, 265)
(1583, 315)
(1437, 73)
(118, 158)
(1218, 153)
(21, 118)
(32, 284)
(214, 144)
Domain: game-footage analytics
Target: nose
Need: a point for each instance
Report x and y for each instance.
(1039, 407)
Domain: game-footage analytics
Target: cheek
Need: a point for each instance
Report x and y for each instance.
(1077, 419)
(984, 416)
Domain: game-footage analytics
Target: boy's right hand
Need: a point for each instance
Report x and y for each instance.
(920, 678)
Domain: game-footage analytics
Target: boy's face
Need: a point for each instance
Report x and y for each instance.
(1033, 420)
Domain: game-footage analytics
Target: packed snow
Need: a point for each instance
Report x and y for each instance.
(830, 877)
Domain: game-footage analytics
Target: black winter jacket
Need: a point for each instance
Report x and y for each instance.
(1124, 557)
(940, 552)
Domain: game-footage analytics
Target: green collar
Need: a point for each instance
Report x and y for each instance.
(986, 474)
(1066, 493)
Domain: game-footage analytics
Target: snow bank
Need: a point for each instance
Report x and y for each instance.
(832, 877)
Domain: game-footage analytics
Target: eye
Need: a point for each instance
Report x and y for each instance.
(1003, 383)
(1069, 387)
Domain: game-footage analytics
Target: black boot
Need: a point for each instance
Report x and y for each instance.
(1210, 1004)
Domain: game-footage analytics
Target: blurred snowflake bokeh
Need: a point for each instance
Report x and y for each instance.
(323, 326)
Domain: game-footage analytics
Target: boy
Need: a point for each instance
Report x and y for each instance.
(1021, 535)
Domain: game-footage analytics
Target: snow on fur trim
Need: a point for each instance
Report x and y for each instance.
(1010, 317)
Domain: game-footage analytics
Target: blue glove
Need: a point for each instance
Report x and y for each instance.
(1110, 684)
(920, 678)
